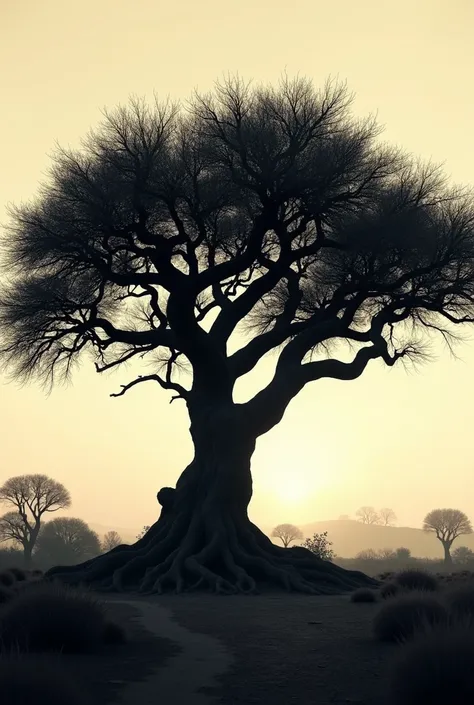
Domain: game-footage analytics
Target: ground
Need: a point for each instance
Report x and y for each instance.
(282, 649)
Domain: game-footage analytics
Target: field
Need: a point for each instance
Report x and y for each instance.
(240, 650)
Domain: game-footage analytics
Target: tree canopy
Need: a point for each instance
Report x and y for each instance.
(447, 525)
(271, 211)
(287, 533)
(67, 540)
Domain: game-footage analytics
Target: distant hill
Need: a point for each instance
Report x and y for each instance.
(349, 537)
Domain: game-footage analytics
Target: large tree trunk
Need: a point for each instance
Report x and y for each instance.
(447, 552)
(204, 538)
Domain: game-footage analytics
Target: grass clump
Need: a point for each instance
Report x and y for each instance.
(363, 595)
(6, 578)
(389, 590)
(400, 618)
(460, 602)
(52, 618)
(436, 669)
(5, 594)
(28, 680)
(18, 574)
(114, 633)
(416, 580)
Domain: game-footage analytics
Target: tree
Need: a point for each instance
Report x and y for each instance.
(368, 554)
(111, 540)
(320, 545)
(386, 554)
(463, 555)
(387, 517)
(403, 554)
(368, 515)
(142, 533)
(447, 524)
(260, 220)
(32, 496)
(67, 540)
(287, 533)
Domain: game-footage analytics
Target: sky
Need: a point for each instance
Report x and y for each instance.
(391, 438)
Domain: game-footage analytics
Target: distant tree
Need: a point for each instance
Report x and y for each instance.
(403, 554)
(463, 555)
(32, 496)
(344, 517)
(386, 554)
(111, 540)
(65, 541)
(447, 525)
(320, 545)
(142, 533)
(367, 515)
(287, 533)
(369, 554)
(387, 517)
(268, 210)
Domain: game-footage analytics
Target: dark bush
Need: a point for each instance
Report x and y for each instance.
(364, 595)
(25, 680)
(460, 601)
(52, 618)
(114, 633)
(416, 580)
(389, 590)
(7, 578)
(18, 574)
(436, 669)
(400, 618)
(5, 594)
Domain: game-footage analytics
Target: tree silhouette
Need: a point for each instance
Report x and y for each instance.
(287, 533)
(320, 546)
(67, 540)
(368, 515)
(259, 220)
(32, 496)
(111, 540)
(447, 524)
(387, 517)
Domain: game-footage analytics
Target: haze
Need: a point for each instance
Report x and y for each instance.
(388, 439)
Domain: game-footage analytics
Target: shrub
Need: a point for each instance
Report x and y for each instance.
(5, 594)
(460, 603)
(400, 618)
(114, 633)
(52, 619)
(363, 595)
(389, 590)
(416, 580)
(27, 680)
(437, 669)
(18, 574)
(6, 578)
(320, 545)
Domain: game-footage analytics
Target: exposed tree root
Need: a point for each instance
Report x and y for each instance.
(200, 551)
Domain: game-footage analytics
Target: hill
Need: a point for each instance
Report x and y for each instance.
(349, 537)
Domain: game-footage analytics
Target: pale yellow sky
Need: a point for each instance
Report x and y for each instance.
(388, 439)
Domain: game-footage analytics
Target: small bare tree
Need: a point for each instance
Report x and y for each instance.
(287, 533)
(111, 540)
(447, 524)
(387, 517)
(367, 515)
(31, 496)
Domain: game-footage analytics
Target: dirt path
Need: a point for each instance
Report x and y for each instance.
(200, 661)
